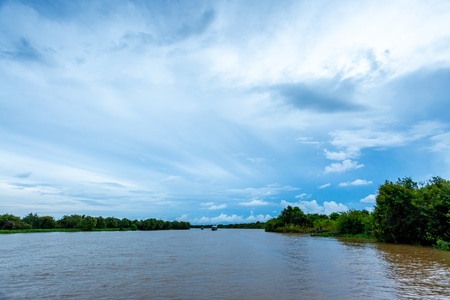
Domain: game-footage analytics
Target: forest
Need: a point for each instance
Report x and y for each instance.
(405, 212)
(86, 223)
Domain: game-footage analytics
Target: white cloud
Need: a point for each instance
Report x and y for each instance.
(254, 202)
(303, 196)
(183, 217)
(369, 208)
(233, 218)
(369, 199)
(441, 142)
(308, 141)
(283, 53)
(174, 107)
(377, 136)
(343, 166)
(331, 207)
(212, 206)
(312, 207)
(338, 155)
(217, 207)
(266, 191)
(355, 183)
(323, 186)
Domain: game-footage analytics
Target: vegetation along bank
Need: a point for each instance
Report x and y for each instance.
(406, 212)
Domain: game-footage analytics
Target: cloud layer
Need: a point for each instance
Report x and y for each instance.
(218, 111)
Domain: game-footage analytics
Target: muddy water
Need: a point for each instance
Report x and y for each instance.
(224, 264)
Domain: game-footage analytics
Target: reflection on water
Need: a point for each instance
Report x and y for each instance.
(226, 264)
(418, 271)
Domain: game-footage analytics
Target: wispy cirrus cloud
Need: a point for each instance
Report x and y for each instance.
(324, 186)
(254, 202)
(304, 195)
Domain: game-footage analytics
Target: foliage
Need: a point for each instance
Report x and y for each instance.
(354, 222)
(407, 213)
(33, 219)
(395, 215)
(112, 222)
(47, 222)
(293, 219)
(433, 200)
(442, 245)
(10, 222)
(72, 221)
(34, 223)
(101, 223)
(88, 223)
(125, 223)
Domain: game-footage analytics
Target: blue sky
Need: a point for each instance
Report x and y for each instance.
(219, 111)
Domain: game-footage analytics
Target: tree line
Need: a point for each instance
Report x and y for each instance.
(86, 223)
(405, 212)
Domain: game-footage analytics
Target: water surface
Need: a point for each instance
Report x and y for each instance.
(224, 264)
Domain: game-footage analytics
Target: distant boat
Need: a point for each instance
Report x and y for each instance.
(214, 227)
(201, 228)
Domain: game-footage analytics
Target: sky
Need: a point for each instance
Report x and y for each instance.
(219, 111)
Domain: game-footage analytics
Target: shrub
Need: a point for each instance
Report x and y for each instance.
(442, 245)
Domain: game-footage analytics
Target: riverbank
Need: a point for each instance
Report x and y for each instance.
(11, 231)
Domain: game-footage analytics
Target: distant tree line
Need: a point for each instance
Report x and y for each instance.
(405, 212)
(86, 223)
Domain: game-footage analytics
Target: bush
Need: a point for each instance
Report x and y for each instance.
(442, 245)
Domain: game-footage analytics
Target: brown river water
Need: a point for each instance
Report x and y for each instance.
(223, 264)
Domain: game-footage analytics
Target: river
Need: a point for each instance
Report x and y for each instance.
(223, 264)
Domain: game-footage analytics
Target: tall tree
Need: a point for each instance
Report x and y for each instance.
(395, 216)
(434, 203)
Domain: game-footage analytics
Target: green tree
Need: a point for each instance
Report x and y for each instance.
(8, 221)
(433, 202)
(112, 222)
(88, 223)
(395, 216)
(286, 215)
(125, 223)
(354, 222)
(33, 219)
(100, 223)
(334, 216)
(72, 221)
(273, 224)
(47, 222)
